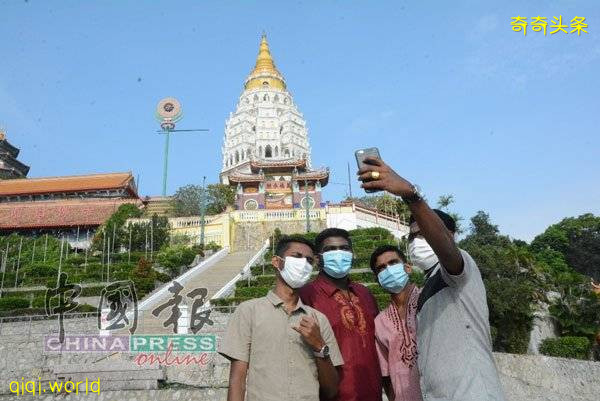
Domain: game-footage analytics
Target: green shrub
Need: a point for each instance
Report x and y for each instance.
(163, 277)
(41, 270)
(39, 302)
(91, 291)
(252, 292)
(566, 347)
(143, 286)
(418, 278)
(383, 300)
(11, 303)
(367, 277)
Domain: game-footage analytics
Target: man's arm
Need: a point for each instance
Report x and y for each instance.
(328, 376)
(237, 380)
(387, 387)
(430, 225)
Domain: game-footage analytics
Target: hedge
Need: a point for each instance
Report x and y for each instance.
(252, 292)
(10, 303)
(566, 347)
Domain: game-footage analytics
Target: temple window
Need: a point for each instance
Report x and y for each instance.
(260, 151)
(276, 151)
(268, 151)
(237, 157)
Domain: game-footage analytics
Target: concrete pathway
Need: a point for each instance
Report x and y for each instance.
(213, 279)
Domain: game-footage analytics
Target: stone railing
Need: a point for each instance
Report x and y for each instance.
(228, 288)
(277, 215)
(199, 268)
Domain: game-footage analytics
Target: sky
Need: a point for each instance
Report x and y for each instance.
(456, 101)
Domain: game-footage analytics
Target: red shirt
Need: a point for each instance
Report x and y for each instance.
(353, 323)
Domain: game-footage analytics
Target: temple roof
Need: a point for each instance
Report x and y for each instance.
(256, 165)
(75, 183)
(10, 167)
(320, 175)
(313, 175)
(56, 214)
(264, 73)
(240, 177)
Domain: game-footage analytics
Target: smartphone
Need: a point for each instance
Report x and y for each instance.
(361, 155)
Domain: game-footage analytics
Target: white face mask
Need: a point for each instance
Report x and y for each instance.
(421, 254)
(296, 271)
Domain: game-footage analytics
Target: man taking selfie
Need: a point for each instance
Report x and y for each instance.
(453, 332)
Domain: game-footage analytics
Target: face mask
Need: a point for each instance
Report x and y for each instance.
(421, 254)
(296, 271)
(393, 278)
(337, 263)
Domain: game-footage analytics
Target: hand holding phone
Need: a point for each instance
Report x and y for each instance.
(363, 154)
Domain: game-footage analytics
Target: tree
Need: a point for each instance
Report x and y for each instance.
(219, 197)
(577, 310)
(116, 224)
(384, 203)
(443, 202)
(511, 280)
(483, 232)
(578, 240)
(187, 199)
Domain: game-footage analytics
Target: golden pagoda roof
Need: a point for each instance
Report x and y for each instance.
(264, 74)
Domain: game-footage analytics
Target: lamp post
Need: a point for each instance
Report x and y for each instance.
(307, 206)
(168, 112)
(202, 210)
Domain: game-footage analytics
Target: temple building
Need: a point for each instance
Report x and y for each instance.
(72, 206)
(10, 167)
(266, 153)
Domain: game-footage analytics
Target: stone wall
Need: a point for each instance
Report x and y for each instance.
(251, 235)
(524, 377)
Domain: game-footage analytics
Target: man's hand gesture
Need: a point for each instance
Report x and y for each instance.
(311, 333)
(379, 176)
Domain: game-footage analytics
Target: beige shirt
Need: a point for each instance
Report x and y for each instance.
(281, 366)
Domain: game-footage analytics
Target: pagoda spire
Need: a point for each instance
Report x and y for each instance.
(264, 73)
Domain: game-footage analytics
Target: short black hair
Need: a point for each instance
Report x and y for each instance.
(328, 233)
(383, 249)
(448, 220)
(284, 244)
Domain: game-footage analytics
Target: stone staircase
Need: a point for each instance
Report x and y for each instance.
(213, 279)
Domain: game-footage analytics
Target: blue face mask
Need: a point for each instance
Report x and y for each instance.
(337, 263)
(393, 278)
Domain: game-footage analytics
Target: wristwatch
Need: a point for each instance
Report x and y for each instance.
(324, 353)
(416, 195)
